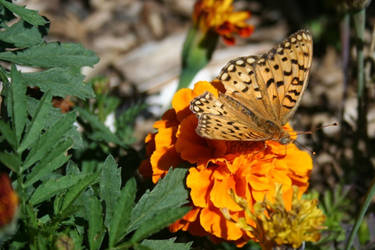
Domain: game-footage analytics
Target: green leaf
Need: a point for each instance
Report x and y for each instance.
(53, 187)
(51, 55)
(121, 215)
(125, 122)
(164, 218)
(21, 35)
(169, 193)
(30, 16)
(11, 161)
(49, 139)
(168, 244)
(62, 81)
(77, 189)
(55, 159)
(103, 133)
(37, 123)
(18, 100)
(8, 134)
(139, 247)
(110, 185)
(95, 220)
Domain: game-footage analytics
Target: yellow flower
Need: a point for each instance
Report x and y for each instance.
(276, 224)
(218, 16)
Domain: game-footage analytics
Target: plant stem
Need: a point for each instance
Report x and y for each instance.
(370, 194)
(359, 24)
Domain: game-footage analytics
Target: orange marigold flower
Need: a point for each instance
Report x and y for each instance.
(65, 104)
(8, 201)
(250, 169)
(218, 16)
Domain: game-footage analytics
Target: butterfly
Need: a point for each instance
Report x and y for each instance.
(261, 94)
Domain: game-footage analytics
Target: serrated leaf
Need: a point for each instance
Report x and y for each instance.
(139, 247)
(11, 161)
(77, 189)
(55, 159)
(49, 139)
(21, 35)
(105, 134)
(62, 81)
(169, 193)
(30, 16)
(53, 187)
(51, 55)
(159, 221)
(8, 134)
(95, 220)
(37, 123)
(124, 123)
(121, 215)
(110, 185)
(18, 99)
(168, 244)
(76, 137)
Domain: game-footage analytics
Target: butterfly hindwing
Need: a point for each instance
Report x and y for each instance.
(216, 120)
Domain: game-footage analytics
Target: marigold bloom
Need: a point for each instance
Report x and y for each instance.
(218, 16)
(251, 169)
(276, 224)
(64, 104)
(8, 201)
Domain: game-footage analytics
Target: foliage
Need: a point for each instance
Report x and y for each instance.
(72, 192)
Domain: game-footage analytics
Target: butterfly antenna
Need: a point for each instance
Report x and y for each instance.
(311, 132)
(317, 128)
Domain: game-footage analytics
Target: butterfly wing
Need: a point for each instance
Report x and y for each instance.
(224, 118)
(297, 50)
(272, 84)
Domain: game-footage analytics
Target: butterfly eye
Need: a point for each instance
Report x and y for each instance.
(285, 140)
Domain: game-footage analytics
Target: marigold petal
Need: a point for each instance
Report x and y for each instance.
(214, 222)
(162, 159)
(145, 169)
(220, 196)
(199, 181)
(181, 103)
(169, 119)
(8, 201)
(165, 137)
(238, 17)
(184, 222)
(229, 40)
(245, 31)
(204, 86)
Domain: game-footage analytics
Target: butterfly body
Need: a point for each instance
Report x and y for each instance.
(262, 93)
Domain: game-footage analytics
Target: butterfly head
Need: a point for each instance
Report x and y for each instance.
(285, 138)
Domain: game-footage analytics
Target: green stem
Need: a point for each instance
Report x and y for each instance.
(345, 48)
(196, 53)
(359, 24)
(369, 196)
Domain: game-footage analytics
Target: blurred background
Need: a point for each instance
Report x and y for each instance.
(139, 44)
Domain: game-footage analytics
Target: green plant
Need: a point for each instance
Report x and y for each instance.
(71, 190)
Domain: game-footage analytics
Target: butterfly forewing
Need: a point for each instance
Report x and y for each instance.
(262, 93)
(296, 58)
